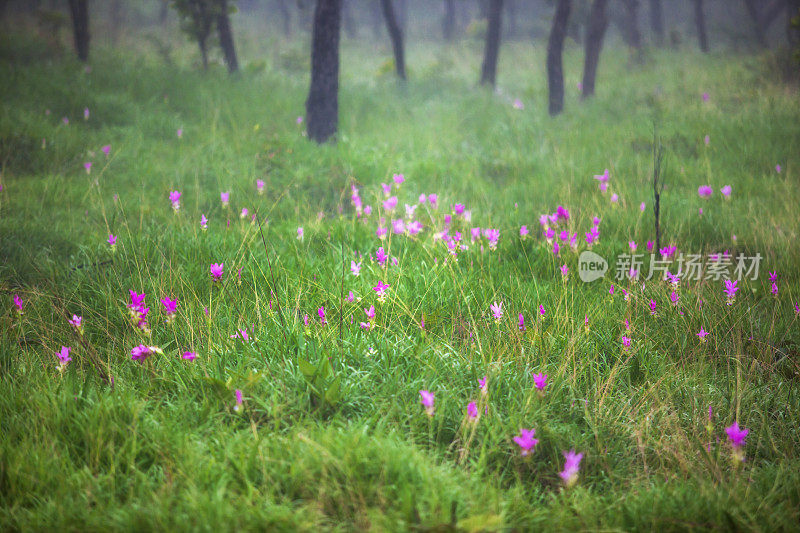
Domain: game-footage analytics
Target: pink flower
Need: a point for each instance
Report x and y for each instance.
(472, 410)
(203, 222)
(189, 356)
(170, 306)
(602, 178)
(63, 357)
(298, 120)
(142, 352)
(541, 311)
(427, 401)
(702, 334)
(180, 133)
(88, 167)
(706, 97)
(521, 322)
(433, 198)
(632, 245)
(705, 191)
(239, 400)
(398, 179)
(300, 233)
(652, 306)
(650, 245)
(726, 191)
(175, 198)
(106, 149)
(321, 314)
(18, 303)
(571, 467)
(225, 198)
(626, 342)
(518, 104)
(736, 435)
(673, 297)
(540, 381)
(642, 207)
(112, 240)
(398, 226)
(778, 169)
(76, 322)
(370, 312)
(85, 113)
(65, 120)
(380, 288)
(380, 256)
(390, 203)
(523, 231)
(355, 268)
(217, 269)
(525, 441)
(614, 198)
(773, 276)
(497, 311)
(350, 297)
(260, 186)
(707, 140)
(730, 290)
(482, 384)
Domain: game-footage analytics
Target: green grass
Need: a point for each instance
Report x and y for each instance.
(164, 449)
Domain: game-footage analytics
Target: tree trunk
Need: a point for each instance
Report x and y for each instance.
(632, 25)
(511, 19)
(792, 30)
(396, 36)
(286, 17)
(700, 21)
(595, 32)
(492, 48)
(657, 20)
(376, 17)
(555, 48)
(402, 15)
(79, 9)
(163, 12)
(322, 105)
(226, 36)
(449, 20)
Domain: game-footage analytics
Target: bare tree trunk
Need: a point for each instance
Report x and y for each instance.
(286, 17)
(700, 21)
(402, 15)
(322, 105)
(657, 20)
(226, 37)
(163, 12)
(449, 20)
(555, 49)
(632, 25)
(79, 9)
(492, 49)
(595, 32)
(396, 36)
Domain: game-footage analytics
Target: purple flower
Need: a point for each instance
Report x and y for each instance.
(736, 435)
(525, 441)
(626, 342)
(170, 306)
(300, 234)
(602, 178)
(85, 113)
(518, 104)
(706, 97)
(472, 410)
(142, 352)
(571, 467)
(614, 198)
(88, 167)
(180, 132)
(63, 357)
(106, 149)
(189, 356)
(521, 322)
(112, 240)
(652, 306)
(702, 334)
(482, 384)
(217, 269)
(433, 198)
(238, 394)
(778, 169)
(726, 191)
(523, 231)
(355, 268)
(540, 381)
(390, 203)
(260, 186)
(497, 311)
(175, 199)
(380, 289)
(321, 314)
(730, 290)
(427, 401)
(18, 303)
(705, 191)
(380, 256)
(707, 140)
(398, 179)
(203, 222)
(225, 198)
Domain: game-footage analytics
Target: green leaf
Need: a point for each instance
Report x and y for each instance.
(307, 369)
(332, 395)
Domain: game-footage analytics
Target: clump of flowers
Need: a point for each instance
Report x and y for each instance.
(571, 467)
(138, 312)
(525, 441)
(426, 398)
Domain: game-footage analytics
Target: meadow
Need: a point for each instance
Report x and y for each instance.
(245, 373)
